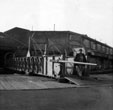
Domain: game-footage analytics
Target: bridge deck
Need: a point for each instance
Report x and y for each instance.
(16, 82)
(12, 82)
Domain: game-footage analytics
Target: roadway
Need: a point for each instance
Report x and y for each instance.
(20, 92)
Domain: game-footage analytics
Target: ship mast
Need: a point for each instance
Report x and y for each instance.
(29, 45)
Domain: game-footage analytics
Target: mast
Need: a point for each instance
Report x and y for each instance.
(29, 45)
(45, 50)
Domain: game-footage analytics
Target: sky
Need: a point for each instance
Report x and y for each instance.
(91, 17)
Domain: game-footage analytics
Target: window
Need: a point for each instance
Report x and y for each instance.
(111, 52)
(93, 45)
(99, 47)
(86, 42)
(107, 50)
(74, 37)
(74, 43)
(103, 49)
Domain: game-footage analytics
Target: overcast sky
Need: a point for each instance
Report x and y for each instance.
(91, 17)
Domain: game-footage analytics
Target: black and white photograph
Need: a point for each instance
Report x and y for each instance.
(56, 54)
